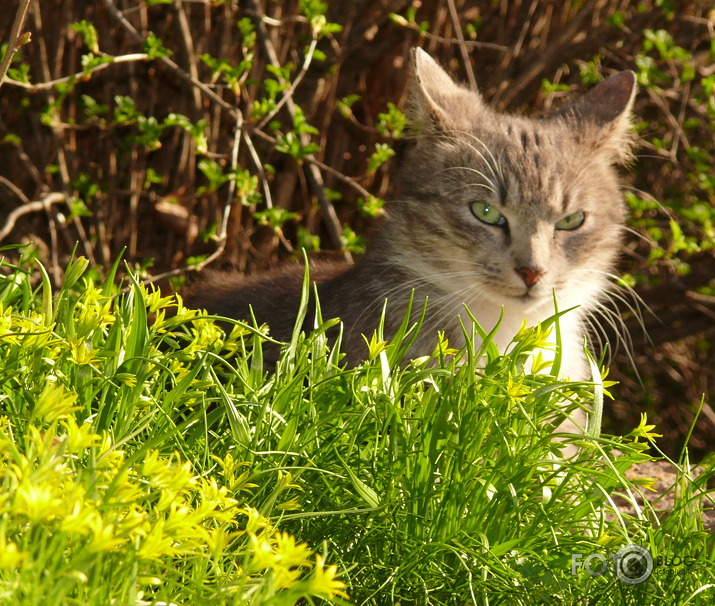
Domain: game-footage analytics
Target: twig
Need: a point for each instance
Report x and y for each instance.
(12, 44)
(288, 94)
(117, 14)
(80, 75)
(332, 223)
(30, 207)
(341, 177)
(467, 43)
(462, 45)
(187, 41)
(223, 232)
(259, 167)
(554, 51)
(14, 189)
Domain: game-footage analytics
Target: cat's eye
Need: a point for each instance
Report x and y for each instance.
(486, 213)
(573, 221)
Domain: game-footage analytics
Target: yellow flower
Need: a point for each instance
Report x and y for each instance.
(217, 541)
(94, 311)
(103, 537)
(156, 544)
(215, 502)
(323, 582)
(516, 390)
(263, 555)
(79, 437)
(290, 554)
(289, 505)
(81, 353)
(10, 555)
(55, 402)
(81, 519)
(37, 501)
(284, 578)
(532, 337)
(256, 520)
(645, 431)
(166, 474)
(443, 347)
(375, 347)
(155, 302)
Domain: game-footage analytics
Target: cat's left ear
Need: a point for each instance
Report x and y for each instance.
(603, 115)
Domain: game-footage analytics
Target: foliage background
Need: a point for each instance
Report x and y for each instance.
(186, 138)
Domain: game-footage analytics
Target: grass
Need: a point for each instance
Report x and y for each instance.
(148, 458)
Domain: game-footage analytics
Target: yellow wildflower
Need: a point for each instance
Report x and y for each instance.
(323, 582)
(256, 520)
(78, 437)
(290, 554)
(645, 431)
(10, 555)
(55, 402)
(37, 501)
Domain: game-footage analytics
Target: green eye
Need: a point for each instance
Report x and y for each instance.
(572, 221)
(487, 214)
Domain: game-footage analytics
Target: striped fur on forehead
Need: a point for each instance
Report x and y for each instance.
(520, 166)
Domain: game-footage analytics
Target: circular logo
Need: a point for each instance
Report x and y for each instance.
(633, 564)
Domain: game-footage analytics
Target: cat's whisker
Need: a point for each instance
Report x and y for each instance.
(645, 195)
(617, 285)
(599, 311)
(621, 332)
(457, 301)
(402, 290)
(595, 331)
(652, 243)
(489, 183)
(493, 163)
(470, 186)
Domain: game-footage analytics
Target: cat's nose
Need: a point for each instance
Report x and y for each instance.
(530, 275)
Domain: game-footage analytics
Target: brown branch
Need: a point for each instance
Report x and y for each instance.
(50, 84)
(117, 14)
(333, 225)
(462, 45)
(14, 43)
(553, 51)
(30, 207)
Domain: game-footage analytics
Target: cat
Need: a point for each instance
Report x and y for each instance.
(495, 212)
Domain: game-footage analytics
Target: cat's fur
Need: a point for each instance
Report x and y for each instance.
(535, 172)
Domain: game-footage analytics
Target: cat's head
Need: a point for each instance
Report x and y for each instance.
(506, 207)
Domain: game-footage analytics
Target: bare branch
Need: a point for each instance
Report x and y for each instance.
(332, 222)
(462, 45)
(13, 43)
(78, 76)
(30, 207)
(117, 14)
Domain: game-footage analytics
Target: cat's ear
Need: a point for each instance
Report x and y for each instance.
(603, 115)
(436, 103)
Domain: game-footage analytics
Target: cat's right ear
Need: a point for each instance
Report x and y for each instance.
(436, 103)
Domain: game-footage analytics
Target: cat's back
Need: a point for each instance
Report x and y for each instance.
(272, 297)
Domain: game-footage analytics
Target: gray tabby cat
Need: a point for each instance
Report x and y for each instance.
(494, 211)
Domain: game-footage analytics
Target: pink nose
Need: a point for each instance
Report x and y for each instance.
(530, 275)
